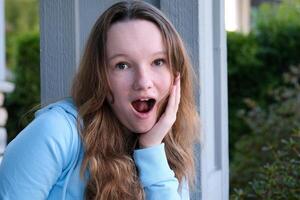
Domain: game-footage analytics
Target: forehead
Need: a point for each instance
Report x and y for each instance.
(134, 36)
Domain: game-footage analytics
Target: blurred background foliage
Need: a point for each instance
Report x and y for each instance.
(26, 96)
(264, 101)
(21, 17)
(266, 161)
(22, 58)
(264, 104)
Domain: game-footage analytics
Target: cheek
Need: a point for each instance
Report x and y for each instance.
(118, 86)
(120, 99)
(166, 83)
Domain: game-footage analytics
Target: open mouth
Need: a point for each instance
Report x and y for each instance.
(143, 105)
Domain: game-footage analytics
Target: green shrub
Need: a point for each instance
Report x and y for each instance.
(277, 32)
(27, 84)
(244, 70)
(278, 179)
(268, 127)
(256, 61)
(20, 17)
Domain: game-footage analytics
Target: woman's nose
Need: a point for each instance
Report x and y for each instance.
(143, 79)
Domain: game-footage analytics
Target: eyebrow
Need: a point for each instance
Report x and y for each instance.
(117, 55)
(160, 52)
(125, 55)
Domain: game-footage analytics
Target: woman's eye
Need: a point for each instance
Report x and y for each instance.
(159, 62)
(121, 66)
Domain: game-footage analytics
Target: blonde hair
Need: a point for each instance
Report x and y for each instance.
(108, 144)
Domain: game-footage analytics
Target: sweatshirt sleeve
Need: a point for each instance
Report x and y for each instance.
(156, 177)
(37, 158)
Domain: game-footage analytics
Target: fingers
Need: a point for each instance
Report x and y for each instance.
(178, 89)
(174, 99)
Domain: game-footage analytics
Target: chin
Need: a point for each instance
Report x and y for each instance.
(141, 129)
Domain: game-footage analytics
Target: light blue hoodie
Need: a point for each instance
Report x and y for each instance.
(44, 160)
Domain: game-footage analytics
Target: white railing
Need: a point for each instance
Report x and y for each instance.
(4, 87)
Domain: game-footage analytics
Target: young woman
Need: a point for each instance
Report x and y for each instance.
(128, 129)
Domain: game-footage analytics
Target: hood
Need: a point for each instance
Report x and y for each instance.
(66, 104)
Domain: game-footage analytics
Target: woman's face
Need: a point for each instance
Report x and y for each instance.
(139, 74)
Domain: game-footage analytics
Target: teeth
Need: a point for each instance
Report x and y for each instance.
(144, 99)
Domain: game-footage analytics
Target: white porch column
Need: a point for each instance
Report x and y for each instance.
(213, 100)
(238, 15)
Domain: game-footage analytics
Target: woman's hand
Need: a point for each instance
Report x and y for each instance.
(166, 121)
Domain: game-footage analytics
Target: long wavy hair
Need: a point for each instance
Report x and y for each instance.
(107, 143)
